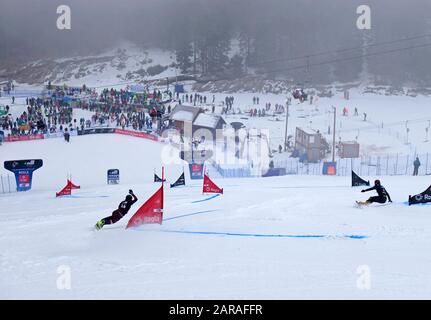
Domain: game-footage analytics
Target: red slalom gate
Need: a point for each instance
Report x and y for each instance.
(151, 212)
(210, 187)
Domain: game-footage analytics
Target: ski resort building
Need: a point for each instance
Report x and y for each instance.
(193, 117)
(348, 149)
(310, 145)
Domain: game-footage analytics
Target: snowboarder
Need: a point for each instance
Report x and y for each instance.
(382, 197)
(122, 210)
(416, 165)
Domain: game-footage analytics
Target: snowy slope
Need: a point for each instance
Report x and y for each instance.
(125, 63)
(87, 159)
(394, 113)
(183, 258)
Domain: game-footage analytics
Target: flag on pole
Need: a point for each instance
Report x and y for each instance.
(66, 191)
(71, 185)
(210, 187)
(181, 181)
(151, 212)
(358, 181)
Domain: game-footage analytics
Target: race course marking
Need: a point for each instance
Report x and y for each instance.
(189, 214)
(356, 237)
(207, 199)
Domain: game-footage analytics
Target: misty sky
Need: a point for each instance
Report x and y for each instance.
(277, 27)
(98, 23)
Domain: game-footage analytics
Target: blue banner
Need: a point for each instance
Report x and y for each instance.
(113, 176)
(196, 171)
(23, 170)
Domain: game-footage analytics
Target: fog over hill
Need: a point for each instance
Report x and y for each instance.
(225, 39)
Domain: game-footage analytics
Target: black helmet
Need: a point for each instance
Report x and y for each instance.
(129, 198)
(377, 182)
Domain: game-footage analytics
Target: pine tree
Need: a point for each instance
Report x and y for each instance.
(184, 54)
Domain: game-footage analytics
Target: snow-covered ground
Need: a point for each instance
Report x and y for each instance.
(118, 66)
(384, 132)
(256, 241)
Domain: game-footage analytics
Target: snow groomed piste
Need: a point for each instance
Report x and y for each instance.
(284, 229)
(151, 212)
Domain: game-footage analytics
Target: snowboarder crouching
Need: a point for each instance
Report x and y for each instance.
(382, 197)
(123, 209)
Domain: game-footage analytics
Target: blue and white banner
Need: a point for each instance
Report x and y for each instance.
(23, 170)
(113, 176)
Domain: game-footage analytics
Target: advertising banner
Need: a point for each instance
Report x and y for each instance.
(23, 170)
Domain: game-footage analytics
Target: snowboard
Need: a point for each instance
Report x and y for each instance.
(376, 205)
(359, 205)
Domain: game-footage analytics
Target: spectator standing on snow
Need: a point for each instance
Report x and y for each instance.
(66, 135)
(416, 165)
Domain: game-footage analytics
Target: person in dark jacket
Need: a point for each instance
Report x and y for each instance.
(416, 165)
(123, 209)
(382, 197)
(66, 135)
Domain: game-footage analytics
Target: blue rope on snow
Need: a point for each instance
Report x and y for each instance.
(212, 197)
(356, 237)
(189, 214)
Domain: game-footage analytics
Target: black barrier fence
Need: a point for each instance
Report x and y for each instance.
(95, 131)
